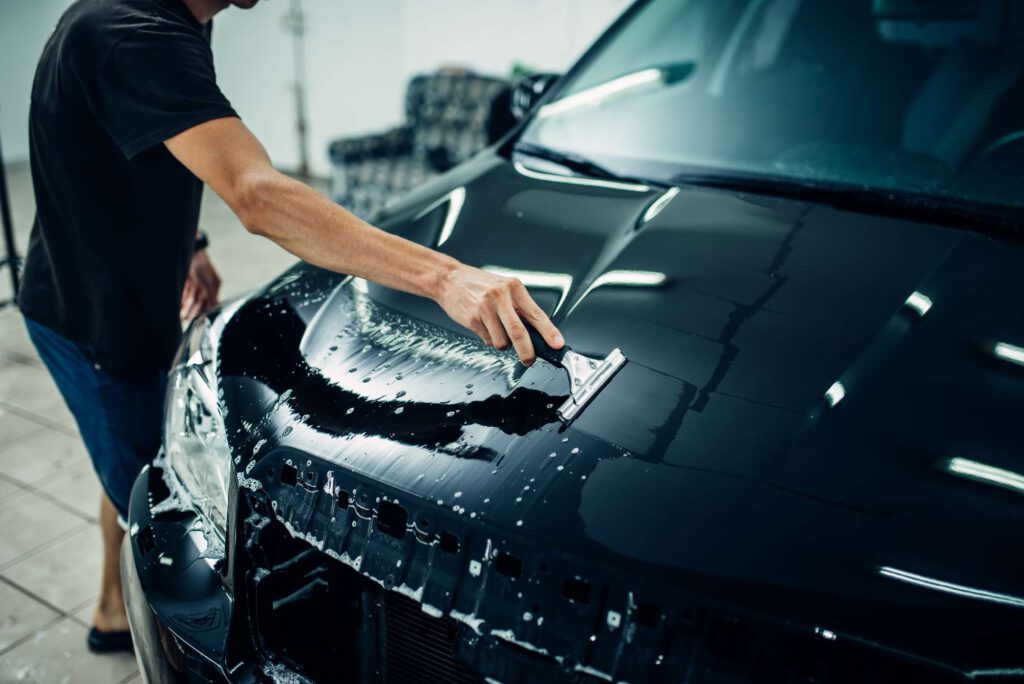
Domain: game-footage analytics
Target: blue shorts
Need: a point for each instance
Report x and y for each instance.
(121, 419)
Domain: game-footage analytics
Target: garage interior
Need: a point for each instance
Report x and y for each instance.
(778, 442)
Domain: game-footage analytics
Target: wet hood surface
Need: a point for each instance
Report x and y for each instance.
(791, 435)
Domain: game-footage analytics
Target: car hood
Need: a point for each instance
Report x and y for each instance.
(813, 423)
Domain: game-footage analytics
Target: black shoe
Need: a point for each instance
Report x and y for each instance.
(109, 642)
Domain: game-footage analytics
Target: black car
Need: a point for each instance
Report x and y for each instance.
(801, 223)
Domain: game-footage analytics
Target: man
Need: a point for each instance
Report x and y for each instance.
(127, 123)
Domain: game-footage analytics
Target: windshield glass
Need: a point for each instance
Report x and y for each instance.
(899, 96)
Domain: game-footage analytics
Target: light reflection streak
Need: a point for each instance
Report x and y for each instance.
(578, 180)
(623, 279)
(659, 204)
(835, 393)
(950, 588)
(597, 94)
(919, 303)
(1009, 352)
(456, 198)
(986, 473)
(539, 279)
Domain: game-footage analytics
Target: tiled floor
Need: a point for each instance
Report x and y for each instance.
(49, 496)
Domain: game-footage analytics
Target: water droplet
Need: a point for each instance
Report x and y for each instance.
(550, 406)
(519, 523)
(575, 450)
(552, 454)
(399, 410)
(287, 431)
(458, 494)
(333, 349)
(352, 370)
(561, 467)
(366, 379)
(398, 376)
(450, 414)
(469, 386)
(469, 391)
(400, 394)
(565, 439)
(350, 411)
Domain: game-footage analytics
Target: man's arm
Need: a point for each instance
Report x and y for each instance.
(225, 155)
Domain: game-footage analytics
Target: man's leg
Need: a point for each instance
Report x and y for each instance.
(110, 615)
(120, 422)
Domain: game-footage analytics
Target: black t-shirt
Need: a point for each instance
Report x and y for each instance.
(116, 213)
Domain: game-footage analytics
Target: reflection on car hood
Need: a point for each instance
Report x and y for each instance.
(824, 433)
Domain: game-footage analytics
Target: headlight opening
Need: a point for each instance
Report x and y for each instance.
(195, 440)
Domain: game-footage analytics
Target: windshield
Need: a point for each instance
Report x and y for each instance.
(899, 96)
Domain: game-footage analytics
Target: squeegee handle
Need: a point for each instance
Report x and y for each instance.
(543, 349)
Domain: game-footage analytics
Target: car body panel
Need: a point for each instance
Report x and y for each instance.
(780, 442)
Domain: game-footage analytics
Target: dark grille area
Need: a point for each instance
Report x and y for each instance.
(419, 648)
(311, 613)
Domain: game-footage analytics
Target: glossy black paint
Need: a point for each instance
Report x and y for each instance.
(711, 483)
(734, 481)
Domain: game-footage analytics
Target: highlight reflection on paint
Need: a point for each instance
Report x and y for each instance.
(1009, 352)
(539, 279)
(659, 204)
(951, 588)
(986, 473)
(623, 278)
(456, 199)
(919, 303)
(835, 393)
(524, 170)
(594, 96)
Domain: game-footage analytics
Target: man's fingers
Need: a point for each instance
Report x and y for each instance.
(212, 283)
(536, 316)
(516, 330)
(187, 300)
(495, 329)
(480, 329)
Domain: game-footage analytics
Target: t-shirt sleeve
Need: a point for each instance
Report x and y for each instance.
(155, 84)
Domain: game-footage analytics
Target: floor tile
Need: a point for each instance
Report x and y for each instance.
(28, 522)
(20, 615)
(14, 339)
(42, 456)
(83, 615)
(77, 487)
(31, 389)
(66, 574)
(8, 487)
(59, 654)
(14, 427)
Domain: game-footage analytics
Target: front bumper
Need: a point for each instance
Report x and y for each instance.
(179, 608)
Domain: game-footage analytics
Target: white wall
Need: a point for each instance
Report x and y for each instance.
(360, 54)
(24, 27)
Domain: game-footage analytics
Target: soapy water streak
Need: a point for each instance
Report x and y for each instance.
(377, 341)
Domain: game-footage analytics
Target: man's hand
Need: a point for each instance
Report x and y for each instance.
(201, 287)
(494, 307)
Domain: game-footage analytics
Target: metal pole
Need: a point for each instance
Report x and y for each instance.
(11, 260)
(296, 21)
